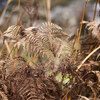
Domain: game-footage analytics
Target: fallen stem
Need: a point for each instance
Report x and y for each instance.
(87, 58)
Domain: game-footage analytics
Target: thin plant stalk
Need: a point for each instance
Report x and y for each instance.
(93, 20)
(7, 46)
(18, 12)
(4, 26)
(4, 11)
(22, 13)
(95, 10)
(80, 29)
(67, 93)
(7, 21)
(34, 58)
(73, 47)
(48, 10)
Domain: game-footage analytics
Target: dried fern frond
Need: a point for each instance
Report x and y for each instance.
(36, 39)
(40, 39)
(31, 84)
(49, 28)
(9, 65)
(14, 32)
(52, 28)
(94, 26)
(32, 43)
(31, 30)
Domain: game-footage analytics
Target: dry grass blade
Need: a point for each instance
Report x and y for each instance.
(83, 97)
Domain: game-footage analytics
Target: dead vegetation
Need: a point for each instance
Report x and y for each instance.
(43, 62)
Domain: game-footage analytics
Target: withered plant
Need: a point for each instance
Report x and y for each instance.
(42, 63)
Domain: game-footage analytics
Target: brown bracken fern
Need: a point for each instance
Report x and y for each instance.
(36, 40)
(13, 32)
(94, 26)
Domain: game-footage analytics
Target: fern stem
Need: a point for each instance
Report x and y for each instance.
(34, 58)
(80, 29)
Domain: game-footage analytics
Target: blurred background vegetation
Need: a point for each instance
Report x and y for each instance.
(66, 13)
